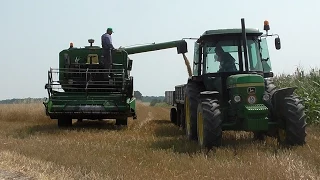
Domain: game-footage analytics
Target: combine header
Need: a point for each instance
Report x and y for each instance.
(231, 88)
(79, 88)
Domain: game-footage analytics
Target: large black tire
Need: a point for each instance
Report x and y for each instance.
(192, 92)
(173, 115)
(294, 121)
(209, 124)
(64, 122)
(270, 88)
(122, 121)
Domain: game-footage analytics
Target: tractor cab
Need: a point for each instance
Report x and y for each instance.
(222, 56)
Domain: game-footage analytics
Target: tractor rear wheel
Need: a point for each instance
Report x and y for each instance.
(294, 122)
(209, 124)
(191, 103)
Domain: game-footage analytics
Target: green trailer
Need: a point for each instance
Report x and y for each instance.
(79, 88)
(231, 88)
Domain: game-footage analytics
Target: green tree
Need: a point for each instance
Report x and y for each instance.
(153, 102)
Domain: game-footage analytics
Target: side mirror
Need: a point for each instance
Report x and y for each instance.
(277, 43)
(130, 64)
(182, 47)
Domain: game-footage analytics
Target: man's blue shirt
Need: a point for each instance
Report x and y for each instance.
(106, 41)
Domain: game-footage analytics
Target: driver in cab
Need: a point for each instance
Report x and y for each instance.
(227, 62)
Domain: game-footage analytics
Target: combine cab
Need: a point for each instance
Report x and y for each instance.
(80, 87)
(231, 88)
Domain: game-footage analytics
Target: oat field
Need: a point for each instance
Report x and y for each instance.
(149, 148)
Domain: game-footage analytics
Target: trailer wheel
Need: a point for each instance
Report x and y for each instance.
(173, 115)
(182, 118)
(64, 122)
(191, 104)
(294, 121)
(179, 112)
(209, 124)
(122, 121)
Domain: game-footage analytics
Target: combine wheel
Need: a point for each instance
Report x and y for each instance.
(64, 122)
(191, 103)
(209, 124)
(122, 121)
(293, 121)
(173, 115)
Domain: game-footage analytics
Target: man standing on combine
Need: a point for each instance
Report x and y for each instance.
(107, 47)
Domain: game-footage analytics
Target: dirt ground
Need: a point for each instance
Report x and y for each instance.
(32, 147)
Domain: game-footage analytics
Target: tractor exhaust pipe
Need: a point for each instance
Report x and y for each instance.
(244, 40)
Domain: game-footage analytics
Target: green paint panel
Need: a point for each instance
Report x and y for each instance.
(244, 79)
(78, 57)
(249, 87)
(249, 31)
(132, 103)
(64, 101)
(236, 32)
(255, 117)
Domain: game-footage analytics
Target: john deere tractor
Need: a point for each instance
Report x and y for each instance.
(231, 88)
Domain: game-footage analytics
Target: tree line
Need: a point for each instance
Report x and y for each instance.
(22, 101)
(150, 99)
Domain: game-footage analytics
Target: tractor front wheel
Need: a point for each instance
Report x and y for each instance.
(270, 88)
(209, 124)
(292, 126)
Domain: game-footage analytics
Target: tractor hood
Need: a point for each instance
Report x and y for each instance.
(245, 80)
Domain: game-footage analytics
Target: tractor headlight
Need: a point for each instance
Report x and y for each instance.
(266, 97)
(237, 98)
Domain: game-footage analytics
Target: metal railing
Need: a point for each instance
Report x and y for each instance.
(85, 80)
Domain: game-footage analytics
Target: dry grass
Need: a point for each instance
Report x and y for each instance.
(150, 148)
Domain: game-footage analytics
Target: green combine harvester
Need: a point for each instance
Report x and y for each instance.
(231, 88)
(79, 89)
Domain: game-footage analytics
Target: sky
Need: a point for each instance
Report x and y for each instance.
(34, 32)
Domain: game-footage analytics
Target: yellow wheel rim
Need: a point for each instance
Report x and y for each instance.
(187, 109)
(282, 135)
(200, 127)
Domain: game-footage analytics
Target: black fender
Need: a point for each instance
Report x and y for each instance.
(209, 94)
